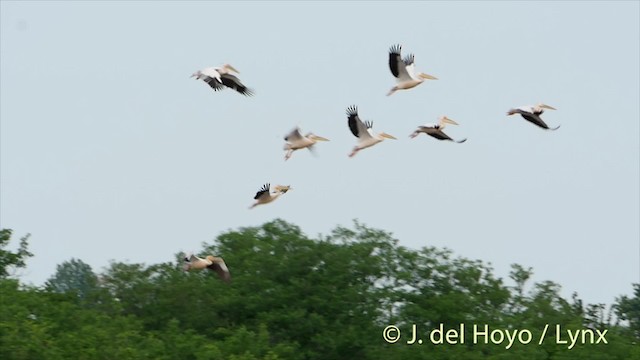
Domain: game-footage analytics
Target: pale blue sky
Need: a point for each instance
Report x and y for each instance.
(109, 151)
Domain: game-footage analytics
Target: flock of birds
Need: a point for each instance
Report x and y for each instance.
(407, 77)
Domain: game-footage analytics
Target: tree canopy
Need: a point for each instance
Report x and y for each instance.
(295, 297)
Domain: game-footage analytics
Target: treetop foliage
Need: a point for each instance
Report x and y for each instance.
(10, 261)
(294, 297)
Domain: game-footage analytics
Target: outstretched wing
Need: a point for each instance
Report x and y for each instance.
(409, 59)
(395, 60)
(293, 136)
(213, 82)
(353, 119)
(397, 65)
(221, 268)
(439, 134)
(231, 81)
(264, 191)
(535, 119)
(357, 127)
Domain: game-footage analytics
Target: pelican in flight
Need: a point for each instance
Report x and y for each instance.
(362, 130)
(296, 141)
(210, 262)
(219, 77)
(435, 130)
(265, 196)
(404, 71)
(532, 114)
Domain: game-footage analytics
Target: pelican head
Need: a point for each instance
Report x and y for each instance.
(445, 120)
(282, 188)
(316, 137)
(210, 258)
(387, 136)
(427, 76)
(230, 68)
(196, 74)
(543, 106)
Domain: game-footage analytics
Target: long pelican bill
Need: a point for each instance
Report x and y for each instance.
(449, 121)
(427, 76)
(319, 138)
(547, 107)
(385, 135)
(231, 68)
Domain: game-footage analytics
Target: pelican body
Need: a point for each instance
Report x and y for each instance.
(212, 263)
(296, 141)
(265, 196)
(532, 114)
(220, 77)
(435, 130)
(362, 130)
(404, 70)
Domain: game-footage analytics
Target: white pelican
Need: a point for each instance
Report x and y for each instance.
(265, 196)
(362, 130)
(219, 77)
(295, 141)
(212, 263)
(404, 71)
(435, 130)
(532, 114)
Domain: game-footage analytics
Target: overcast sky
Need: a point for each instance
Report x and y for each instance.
(109, 151)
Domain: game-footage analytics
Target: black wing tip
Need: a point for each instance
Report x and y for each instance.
(409, 59)
(368, 124)
(352, 110)
(263, 189)
(395, 49)
(214, 84)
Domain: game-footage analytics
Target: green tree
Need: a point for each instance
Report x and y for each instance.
(73, 276)
(24, 333)
(628, 308)
(12, 260)
(299, 298)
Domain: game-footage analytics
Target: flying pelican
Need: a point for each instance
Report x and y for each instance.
(219, 77)
(435, 130)
(404, 71)
(265, 196)
(295, 141)
(532, 114)
(210, 262)
(362, 130)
